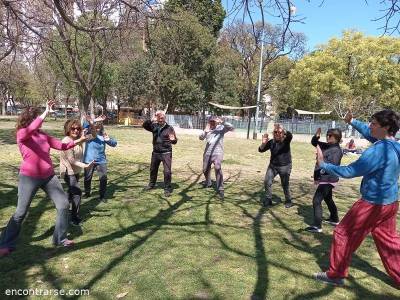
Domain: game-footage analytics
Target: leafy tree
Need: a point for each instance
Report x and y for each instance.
(182, 55)
(210, 13)
(355, 71)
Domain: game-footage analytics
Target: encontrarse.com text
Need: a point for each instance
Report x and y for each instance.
(45, 292)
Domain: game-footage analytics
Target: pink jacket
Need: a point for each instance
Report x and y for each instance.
(34, 146)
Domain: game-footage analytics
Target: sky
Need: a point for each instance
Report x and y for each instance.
(323, 22)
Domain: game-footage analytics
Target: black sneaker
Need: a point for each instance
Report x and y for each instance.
(322, 276)
(221, 195)
(313, 229)
(87, 195)
(330, 222)
(267, 203)
(148, 187)
(288, 204)
(167, 193)
(76, 221)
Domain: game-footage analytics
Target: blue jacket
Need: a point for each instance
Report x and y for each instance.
(379, 165)
(96, 150)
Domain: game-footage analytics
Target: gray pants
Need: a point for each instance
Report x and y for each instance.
(102, 172)
(215, 159)
(284, 174)
(27, 188)
(74, 194)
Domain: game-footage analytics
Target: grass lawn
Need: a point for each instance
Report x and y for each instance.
(141, 245)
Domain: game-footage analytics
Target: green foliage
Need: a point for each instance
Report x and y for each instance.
(210, 13)
(354, 71)
(228, 84)
(182, 51)
(134, 80)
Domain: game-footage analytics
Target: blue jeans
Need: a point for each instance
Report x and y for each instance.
(27, 188)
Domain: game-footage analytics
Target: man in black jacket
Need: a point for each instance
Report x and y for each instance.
(280, 162)
(163, 138)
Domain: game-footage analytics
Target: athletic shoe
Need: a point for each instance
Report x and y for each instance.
(267, 203)
(288, 204)
(167, 193)
(322, 276)
(67, 243)
(313, 229)
(330, 222)
(148, 187)
(76, 221)
(221, 195)
(87, 195)
(4, 251)
(103, 199)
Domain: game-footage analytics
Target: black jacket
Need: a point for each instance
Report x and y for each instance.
(280, 152)
(161, 141)
(332, 154)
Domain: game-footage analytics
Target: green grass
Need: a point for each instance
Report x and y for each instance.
(191, 245)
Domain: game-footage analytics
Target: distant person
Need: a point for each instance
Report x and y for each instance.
(350, 147)
(71, 166)
(376, 211)
(326, 182)
(280, 162)
(36, 171)
(163, 138)
(214, 151)
(95, 154)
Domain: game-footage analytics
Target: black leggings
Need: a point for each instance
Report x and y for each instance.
(324, 192)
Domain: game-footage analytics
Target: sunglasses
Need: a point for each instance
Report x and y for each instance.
(278, 132)
(75, 128)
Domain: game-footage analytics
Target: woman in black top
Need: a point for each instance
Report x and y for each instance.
(280, 162)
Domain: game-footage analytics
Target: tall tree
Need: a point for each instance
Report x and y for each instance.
(210, 13)
(355, 71)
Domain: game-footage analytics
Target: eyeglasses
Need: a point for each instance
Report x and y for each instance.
(75, 128)
(277, 132)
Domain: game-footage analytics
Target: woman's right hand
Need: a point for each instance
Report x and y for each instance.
(89, 165)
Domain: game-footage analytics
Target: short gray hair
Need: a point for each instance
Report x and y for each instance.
(160, 112)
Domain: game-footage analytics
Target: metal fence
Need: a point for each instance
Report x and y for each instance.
(295, 126)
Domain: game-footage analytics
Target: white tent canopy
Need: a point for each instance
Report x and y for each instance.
(304, 112)
(231, 107)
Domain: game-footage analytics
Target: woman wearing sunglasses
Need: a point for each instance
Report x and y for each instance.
(36, 172)
(71, 165)
(326, 182)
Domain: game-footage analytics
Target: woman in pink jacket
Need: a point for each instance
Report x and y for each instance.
(36, 171)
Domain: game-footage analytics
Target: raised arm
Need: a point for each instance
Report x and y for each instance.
(148, 125)
(361, 127)
(25, 133)
(228, 127)
(266, 144)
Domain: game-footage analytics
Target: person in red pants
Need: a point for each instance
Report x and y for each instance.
(376, 211)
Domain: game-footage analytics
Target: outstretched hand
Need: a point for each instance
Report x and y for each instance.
(319, 156)
(348, 117)
(318, 132)
(265, 138)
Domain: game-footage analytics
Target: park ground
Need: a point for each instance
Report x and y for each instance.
(141, 245)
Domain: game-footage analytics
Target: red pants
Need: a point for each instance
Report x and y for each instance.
(359, 221)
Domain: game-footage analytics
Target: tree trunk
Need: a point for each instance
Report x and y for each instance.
(248, 124)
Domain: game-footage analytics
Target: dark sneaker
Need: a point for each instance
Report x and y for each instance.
(87, 195)
(313, 229)
(330, 222)
(288, 204)
(104, 200)
(148, 187)
(267, 203)
(322, 276)
(221, 195)
(167, 193)
(76, 221)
